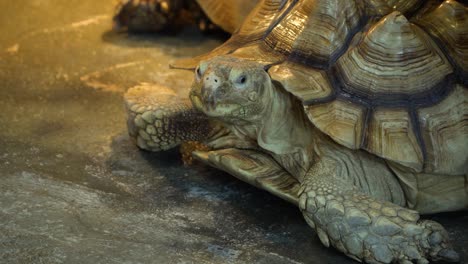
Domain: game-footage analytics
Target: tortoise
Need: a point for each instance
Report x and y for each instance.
(169, 15)
(355, 111)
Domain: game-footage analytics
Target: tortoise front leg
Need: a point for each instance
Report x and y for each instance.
(253, 167)
(364, 227)
(158, 119)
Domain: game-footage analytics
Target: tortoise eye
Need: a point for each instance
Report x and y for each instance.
(242, 79)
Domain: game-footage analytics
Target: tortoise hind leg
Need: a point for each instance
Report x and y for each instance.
(365, 228)
(255, 168)
(159, 120)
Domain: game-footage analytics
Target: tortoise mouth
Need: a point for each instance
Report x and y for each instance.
(215, 109)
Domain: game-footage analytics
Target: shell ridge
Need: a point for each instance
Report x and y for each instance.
(327, 65)
(416, 125)
(280, 18)
(365, 128)
(323, 100)
(463, 76)
(436, 94)
(447, 26)
(414, 9)
(333, 95)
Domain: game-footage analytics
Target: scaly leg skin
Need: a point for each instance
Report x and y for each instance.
(227, 139)
(365, 228)
(159, 120)
(253, 167)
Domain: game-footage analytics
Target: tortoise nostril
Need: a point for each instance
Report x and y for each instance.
(216, 80)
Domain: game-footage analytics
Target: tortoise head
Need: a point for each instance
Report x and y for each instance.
(231, 89)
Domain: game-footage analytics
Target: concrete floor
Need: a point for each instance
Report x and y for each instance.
(73, 187)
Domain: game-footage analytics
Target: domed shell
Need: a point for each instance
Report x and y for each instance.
(386, 76)
(227, 14)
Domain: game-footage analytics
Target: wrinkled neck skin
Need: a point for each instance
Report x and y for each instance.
(285, 132)
(282, 129)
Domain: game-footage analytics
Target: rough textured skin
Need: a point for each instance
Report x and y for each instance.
(256, 168)
(159, 120)
(366, 228)
(351, 198)
(353, 111)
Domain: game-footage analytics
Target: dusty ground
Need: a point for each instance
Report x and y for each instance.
(73, 187)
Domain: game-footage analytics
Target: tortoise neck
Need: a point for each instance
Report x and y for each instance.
(286, 131)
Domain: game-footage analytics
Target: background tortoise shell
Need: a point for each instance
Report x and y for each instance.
(387, 76)
(160, 15)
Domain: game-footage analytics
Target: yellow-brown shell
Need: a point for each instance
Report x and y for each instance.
(227, 14)
(386, 76)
